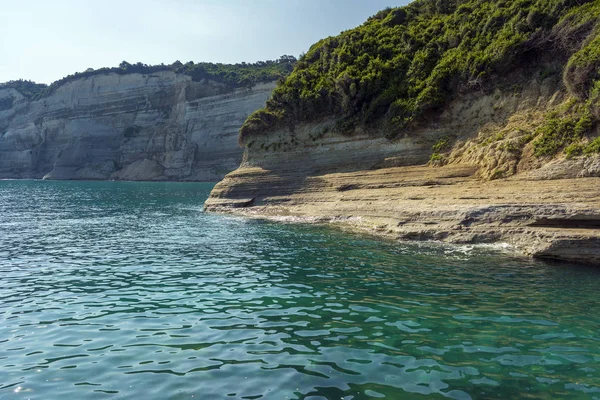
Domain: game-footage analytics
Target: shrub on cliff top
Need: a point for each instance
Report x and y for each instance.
(404, 62)
(26, 88)
(233, 75)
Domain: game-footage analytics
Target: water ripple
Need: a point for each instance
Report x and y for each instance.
(127, 290)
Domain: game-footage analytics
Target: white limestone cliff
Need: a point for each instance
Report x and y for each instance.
(159, 126)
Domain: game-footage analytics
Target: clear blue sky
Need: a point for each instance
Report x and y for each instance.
(44, 40)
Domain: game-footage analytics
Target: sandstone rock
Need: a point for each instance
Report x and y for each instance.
(549, 219)
(369, 183)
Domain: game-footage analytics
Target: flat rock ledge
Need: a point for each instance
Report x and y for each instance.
(546, 219)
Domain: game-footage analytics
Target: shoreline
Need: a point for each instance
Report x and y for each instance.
(103, 180)
(556, 220)
(345, 225)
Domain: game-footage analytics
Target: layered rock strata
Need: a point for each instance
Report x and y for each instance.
(549, 209)
(551, 219)
(161, 126)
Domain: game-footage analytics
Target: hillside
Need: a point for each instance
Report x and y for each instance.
(463, 121)
(233, 75)
(404, 65)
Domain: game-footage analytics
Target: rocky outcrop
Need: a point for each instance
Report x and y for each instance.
(160, 126)
(545, 208)
(549, 219)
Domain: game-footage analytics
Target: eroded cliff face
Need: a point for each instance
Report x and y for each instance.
(161, 126)
(480, 128)
(486, 186)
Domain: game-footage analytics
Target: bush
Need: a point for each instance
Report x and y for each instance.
(563, 131)
(257, 121)
(443, 145)
(583, 69)
(404, 62)
(28, 89)
(233, 75)
(593, 147)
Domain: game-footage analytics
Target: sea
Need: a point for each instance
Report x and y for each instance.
(121, 290)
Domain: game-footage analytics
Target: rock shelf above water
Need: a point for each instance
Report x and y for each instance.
(548, 219)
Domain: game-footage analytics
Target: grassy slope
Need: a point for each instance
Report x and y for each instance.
(408, 61)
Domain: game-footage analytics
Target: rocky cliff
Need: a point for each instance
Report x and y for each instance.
(159, 126)
(464, 122)
(546, 208)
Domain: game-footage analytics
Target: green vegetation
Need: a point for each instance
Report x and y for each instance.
(443, 145)
(404, 64)
(26, 88)
(563, 130)
(592, 147)
(578, 148)
(240, 75)
(498, 173)
(233, 75)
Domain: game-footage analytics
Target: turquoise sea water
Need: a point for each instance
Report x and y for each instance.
(128, 290)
